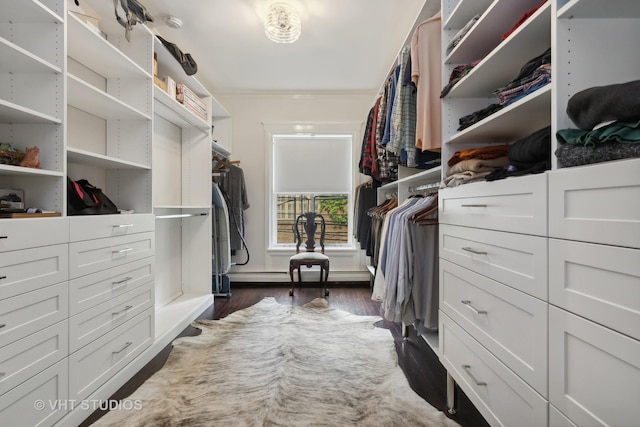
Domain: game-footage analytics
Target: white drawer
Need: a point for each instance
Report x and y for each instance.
(596, 203)
(17, 407)
(499, 395)
(91, 227)
(26, 357)
(92, 324)
(599, 282)
(517, 260)
(594, 372)
(90, 256)
(557, 418)
(509, 323)
(93, 289)
(98, 361)
(21, 233)
(516, 204)
(30, 312)
(30, 269)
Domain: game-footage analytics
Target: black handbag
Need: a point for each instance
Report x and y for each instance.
(86, 199)
(185, 59)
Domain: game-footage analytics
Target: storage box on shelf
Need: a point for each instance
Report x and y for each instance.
(31, 97)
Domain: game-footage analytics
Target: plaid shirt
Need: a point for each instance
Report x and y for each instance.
(403, 135)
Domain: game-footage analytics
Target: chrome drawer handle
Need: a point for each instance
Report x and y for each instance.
(123, 226)
(473, 206)
(126, 279)
(467, 369)
(3, 277)
(124, 309)
(474, 251)
(472, 308)
(123, 348)
(122, 251)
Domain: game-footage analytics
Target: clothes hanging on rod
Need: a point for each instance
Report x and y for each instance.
(406, 279)
(232, 184)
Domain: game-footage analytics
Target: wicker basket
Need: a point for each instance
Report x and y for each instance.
(13, 158)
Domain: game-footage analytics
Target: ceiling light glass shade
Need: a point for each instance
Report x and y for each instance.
(282, 24)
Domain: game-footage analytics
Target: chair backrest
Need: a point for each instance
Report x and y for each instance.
(309, 222)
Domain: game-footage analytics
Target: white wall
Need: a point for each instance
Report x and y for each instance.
(249, 112)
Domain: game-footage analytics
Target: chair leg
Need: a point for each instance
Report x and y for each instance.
(326, 278)
(292, 282)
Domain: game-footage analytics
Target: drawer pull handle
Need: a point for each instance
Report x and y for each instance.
(474, 206)
(474, 251)
(122, 251)
(467, 369)
(472, 308)
(124, 347)
(123, 226)
(126, 279)
(4, 237)
(124, 309)
(2, 325)
(3, 277)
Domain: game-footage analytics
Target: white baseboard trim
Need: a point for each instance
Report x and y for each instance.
(307, 276)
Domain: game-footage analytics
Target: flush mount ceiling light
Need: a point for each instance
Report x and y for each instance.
(282, 24)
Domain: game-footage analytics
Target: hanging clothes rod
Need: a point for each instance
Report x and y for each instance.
(182, 215)
(425, 188)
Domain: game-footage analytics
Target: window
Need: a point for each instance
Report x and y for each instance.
(312, 173)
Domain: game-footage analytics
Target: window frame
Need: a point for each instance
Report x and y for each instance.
(351, 129)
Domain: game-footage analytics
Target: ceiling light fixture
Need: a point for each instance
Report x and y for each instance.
(282, 24)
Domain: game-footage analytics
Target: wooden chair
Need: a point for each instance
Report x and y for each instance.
(310, 222)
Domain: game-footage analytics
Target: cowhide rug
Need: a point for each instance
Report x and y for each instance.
(278, 365)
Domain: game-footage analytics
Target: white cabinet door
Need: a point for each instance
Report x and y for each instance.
(596, 203)
(517, 260)
(29, 312)
(35, 402)
(90, 256)
(599, 282)
(500, 395)
(26, 357)
(30, 269)
(517, 205)
(510, 324)
(594, 372)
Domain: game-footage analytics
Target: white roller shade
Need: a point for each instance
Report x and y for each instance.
(312, 164)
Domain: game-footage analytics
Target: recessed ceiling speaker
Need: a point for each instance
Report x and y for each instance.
(173, 22)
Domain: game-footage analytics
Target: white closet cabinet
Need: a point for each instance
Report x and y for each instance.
(539, 278)
(182, 150)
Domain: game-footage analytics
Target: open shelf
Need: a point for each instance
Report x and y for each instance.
(504, 62)
(75, 155)
(177, 315)
(85, 97)
(463, 12)
(13, 113)
(18, 60)
(88, 47)
(517, 120)
(176, 113)
(588, 9)
(30, 11)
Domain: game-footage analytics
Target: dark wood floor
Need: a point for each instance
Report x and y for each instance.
(424, 372)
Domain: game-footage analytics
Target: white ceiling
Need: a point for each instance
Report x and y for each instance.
(346, 45)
